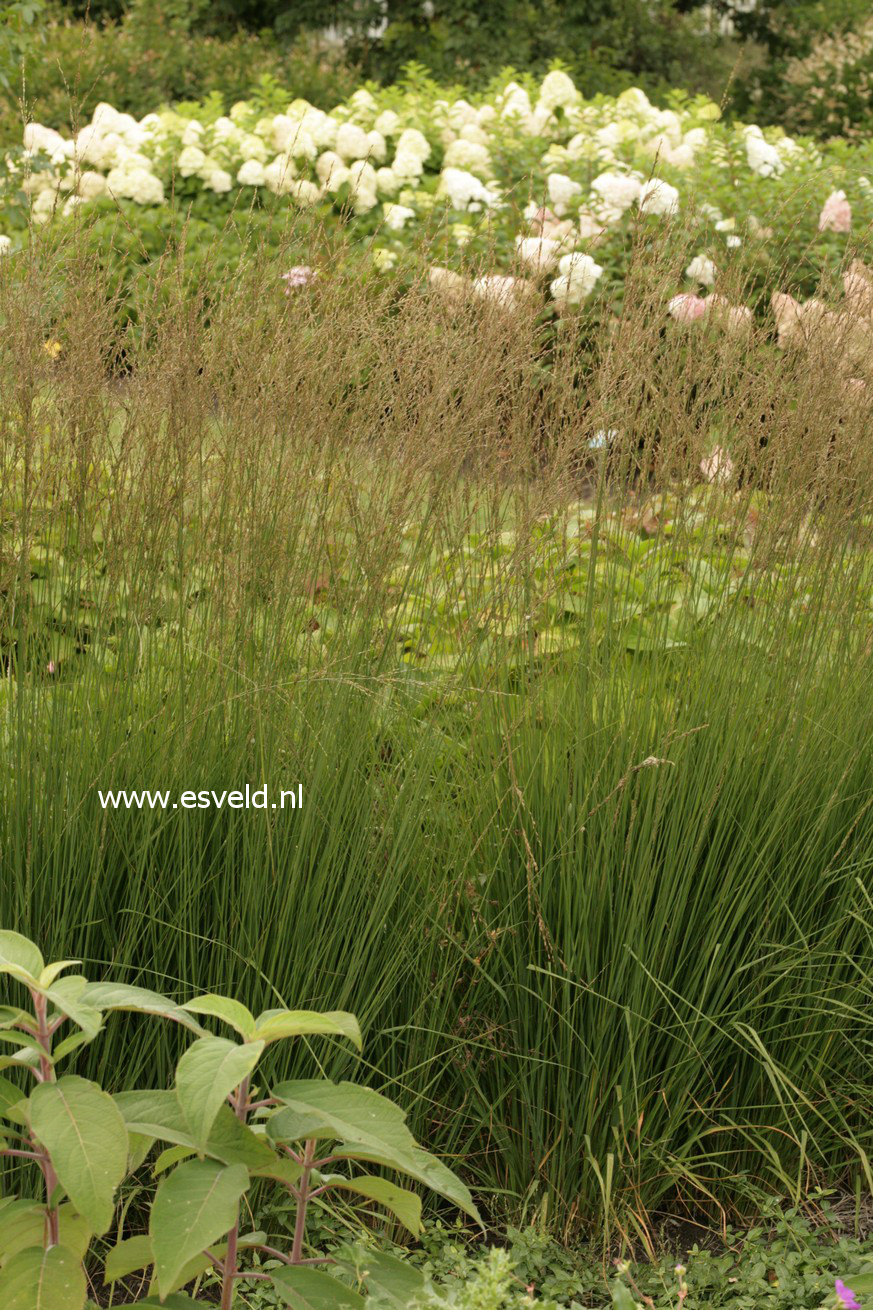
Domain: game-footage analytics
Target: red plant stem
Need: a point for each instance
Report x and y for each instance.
(230, 1260)
(271, 1250)
(46, 1075)
(300, 1222)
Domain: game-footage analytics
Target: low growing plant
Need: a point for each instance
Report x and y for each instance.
(220, 1132)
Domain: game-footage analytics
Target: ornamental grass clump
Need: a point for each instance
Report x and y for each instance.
(563, 629)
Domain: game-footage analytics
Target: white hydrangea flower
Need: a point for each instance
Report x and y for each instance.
(302, 144)
(144, 188)
(192, 133)
(388, 123)
(377, 147)
(284, 129)
(5, 245)
(224, 128)
(351, 142)
(191, 161)
(252, 147)
(462, 114)
(538, 253)
(43, 206)
(363, 184)
(305, 192)
(384, 259)
(617, 190)
(541, 122)
(680, 156)
(635, 101)
(407, 167)
(507, 292)
(463, 189)
(515, 102)
(562, 192)
(218, 180)
(578, 276)
(763, 159)
(473, 132)
(42, 139)
(702, 269)
(387, 181)
(279, 175)
(327, 164)
(251, 173)
(362, 102)
(468, 155)
(557, 91)
(90, 185)
(396, 216)
(659, 197)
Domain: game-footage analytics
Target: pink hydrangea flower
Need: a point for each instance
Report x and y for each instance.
(686, 308)
(299, 276)
(836, 214)
(735, 319)
(846, 1296)
(717, 466)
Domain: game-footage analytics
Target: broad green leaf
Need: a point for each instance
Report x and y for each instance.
(71, 1043)
(82, 1128)
(9, 1015)
(206, 1074)
(622, 1297)
(66, 995)
(159, 1115)
(10, 1095)
(26, 1057)
(191, 1269)
(171, 1156)
(138, 1147)
(224, 1008)
(418, 1164)
(387, 1278)
(22, 1225)
(282, 1170)
(119, 996)
(310, 1289)
(343, 1111)
(36, 1279)
(194, 1205)
(20, 958)
(233, 1142)
(273, 1025)
(368, 1126)
(12, 1037)
(51, 971)
(129, 1256)
(175, 1301)
(154, 1114)
(404, 1204)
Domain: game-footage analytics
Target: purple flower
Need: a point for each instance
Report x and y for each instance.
(846, 1296)
(298, 276)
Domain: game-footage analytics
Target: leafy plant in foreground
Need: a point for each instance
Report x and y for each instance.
(220, 1134)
